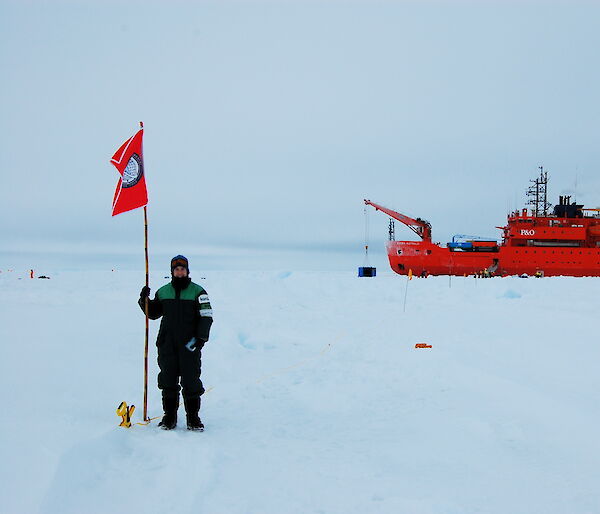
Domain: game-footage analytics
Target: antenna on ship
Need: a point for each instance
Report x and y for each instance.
(539, 191)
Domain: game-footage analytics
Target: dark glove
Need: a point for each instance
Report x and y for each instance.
(145, 292)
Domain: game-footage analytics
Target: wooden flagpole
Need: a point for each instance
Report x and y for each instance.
(146, 310)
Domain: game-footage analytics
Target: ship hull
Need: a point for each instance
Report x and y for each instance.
(425, 258)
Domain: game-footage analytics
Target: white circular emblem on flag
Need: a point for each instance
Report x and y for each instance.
(133, 171)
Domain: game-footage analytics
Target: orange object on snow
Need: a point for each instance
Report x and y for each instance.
(422, 345)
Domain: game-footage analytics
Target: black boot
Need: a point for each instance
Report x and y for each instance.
(192, 407)
(170, 406)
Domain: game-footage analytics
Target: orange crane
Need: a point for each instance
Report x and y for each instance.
(420, 227)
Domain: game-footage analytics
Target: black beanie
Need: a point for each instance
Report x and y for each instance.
(179, 260)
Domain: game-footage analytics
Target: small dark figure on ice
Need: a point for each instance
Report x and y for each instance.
(184, 329)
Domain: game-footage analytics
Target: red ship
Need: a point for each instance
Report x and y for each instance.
(565, 241)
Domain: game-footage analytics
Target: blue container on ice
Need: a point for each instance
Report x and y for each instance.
(367, 271)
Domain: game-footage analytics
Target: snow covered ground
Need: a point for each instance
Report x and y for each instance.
(318, 401)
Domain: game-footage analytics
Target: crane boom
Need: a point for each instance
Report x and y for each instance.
(420, 227)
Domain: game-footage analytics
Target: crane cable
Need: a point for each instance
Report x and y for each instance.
(366, 237)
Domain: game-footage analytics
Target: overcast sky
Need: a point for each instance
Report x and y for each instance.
(267, 123)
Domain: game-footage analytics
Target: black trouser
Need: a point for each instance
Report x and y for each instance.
(177, 360)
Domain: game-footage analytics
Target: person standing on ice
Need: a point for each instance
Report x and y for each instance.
(184, 328)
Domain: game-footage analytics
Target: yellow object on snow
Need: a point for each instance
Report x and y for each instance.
(126, 413)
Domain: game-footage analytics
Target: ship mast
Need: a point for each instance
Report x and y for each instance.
(539, 191)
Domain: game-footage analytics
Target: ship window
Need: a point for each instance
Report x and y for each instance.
(428, 252)
(399, 252)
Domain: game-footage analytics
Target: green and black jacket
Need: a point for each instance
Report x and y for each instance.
(186, 313)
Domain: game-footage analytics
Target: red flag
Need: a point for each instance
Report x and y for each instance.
(131, 190)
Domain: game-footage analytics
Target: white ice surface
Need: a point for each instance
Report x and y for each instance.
(320, 402)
